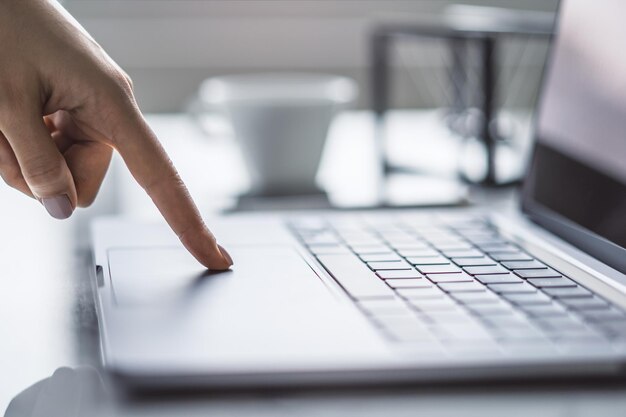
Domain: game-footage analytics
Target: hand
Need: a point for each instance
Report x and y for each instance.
(65, 106)
(67, 393)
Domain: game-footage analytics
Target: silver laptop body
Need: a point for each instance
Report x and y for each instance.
(408, 295)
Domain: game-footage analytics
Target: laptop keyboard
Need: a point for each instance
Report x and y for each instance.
(459, 285)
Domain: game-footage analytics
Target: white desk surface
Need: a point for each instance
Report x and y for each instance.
(47, 321)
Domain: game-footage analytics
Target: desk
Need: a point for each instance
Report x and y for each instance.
(47, 321)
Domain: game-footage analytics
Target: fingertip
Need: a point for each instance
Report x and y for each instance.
(215, 263)
(201, 244)
(226, 255)
(217, 259)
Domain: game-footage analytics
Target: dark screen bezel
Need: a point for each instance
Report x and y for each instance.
(595, 245)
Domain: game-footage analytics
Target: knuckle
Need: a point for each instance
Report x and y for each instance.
(122, 87)
(113, 93)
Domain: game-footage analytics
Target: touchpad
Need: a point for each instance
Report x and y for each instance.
(164, 276)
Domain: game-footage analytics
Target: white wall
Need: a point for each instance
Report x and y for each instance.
(169, 46)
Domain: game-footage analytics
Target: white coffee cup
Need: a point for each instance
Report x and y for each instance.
(281, 121)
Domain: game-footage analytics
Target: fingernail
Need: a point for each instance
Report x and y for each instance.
(58, 206)
(226, 254)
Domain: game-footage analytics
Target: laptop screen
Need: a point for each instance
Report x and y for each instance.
(576, 185)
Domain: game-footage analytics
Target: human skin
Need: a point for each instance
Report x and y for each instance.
(65, 107)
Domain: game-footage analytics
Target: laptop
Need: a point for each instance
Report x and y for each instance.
(319, 298)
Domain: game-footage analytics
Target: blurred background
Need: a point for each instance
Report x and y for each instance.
(169, 46)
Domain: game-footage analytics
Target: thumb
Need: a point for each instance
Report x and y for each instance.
(42, 165)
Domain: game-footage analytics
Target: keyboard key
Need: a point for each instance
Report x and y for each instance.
(544, 310)
(354, 276)
(521, 287)
(398, 274)
(552, 282)
(452, 246)
(583, 343)
(566, 292)
(484, 270)
(382, 306)
(369, 249)
(491, 309)
(458, 277)
(486, 240)
(410, 244)
(573, 335)
(438, 269)
(383, 316)
(409, 336)
(380, 257)
(450, 331)
(362, 241)
(484, 261)
(481, 297)
(524, 265)
(538, 273)
(616, 330)
(470, 253)
(308, 224)
(395, 265)
(509, 319)
(495, 248)
(326, 238)
(417, 253)
(438, 235)
(462, 286)
(559, 322)
(389, 231)
(538, 347)
(410, 333)
(567, 321)
(433, 260)
(527, 298)
(412, 319)
(572, 328)
(427, 305)
(604, 316)
(399, 237)
(409, 283)
(455, 315)
(520, 333)
(511, 256)
(585, 303)
(421, 293)
(498, 278)
(328, 249)
(475, 236)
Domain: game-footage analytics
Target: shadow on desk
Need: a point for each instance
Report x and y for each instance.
(83, 392)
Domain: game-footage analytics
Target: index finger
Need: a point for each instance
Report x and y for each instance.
(153, 170)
